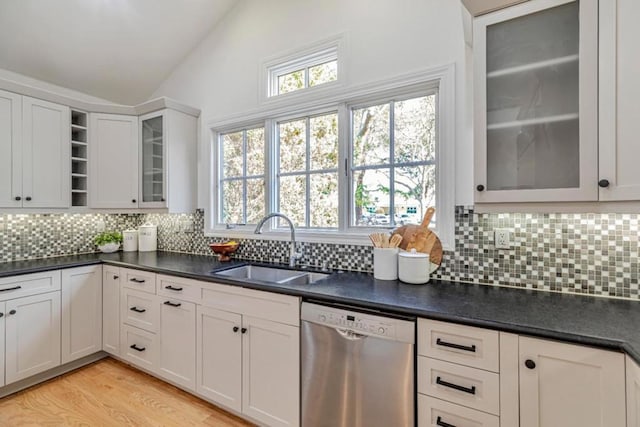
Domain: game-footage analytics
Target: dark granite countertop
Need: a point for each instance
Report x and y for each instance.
(602, 322)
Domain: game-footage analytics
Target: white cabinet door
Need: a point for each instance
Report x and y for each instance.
(10, 150)
(570, 385)
(113, 157)
(46, 154)
(3, 315)
(619, 88)
(32, 335)
(81, 312)
(111, 309)
(177, 360)
(153, 161)
(536, 97)
(633, 393)
(219, 356)
(271, 372)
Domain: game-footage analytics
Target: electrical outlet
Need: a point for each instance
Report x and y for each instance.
(502, 238)
(101, 226)
(187, 226)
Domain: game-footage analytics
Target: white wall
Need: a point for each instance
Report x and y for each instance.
(385, 38)
(49, 87)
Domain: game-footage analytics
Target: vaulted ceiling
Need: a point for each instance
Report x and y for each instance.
(119, 50)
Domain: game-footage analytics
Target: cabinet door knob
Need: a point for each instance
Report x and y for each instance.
(162, 199)
(1, 314)
(12, 312)
(480, 187)
(28, 198)
(243, 330)
(116, 277)
(530, 364)
(18, 198)
(133, 200)
(604, 183)
(236, 329)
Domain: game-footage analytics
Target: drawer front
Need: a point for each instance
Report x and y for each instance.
(434, 412)
(177, 287)
(139, 347)
(465, 345)
(140, 309)
(465, 386)
(139, 280)
(29, 284)
(264, 305)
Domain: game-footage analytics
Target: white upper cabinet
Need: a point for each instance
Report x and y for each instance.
(167, 161)
(113, 161)
(619, 94)
(45, 154)
(536, 102)
(10, 150)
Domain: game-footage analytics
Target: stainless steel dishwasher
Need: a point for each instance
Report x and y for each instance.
(357, 368)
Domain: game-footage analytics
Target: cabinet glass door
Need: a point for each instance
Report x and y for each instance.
(153, 173)
(532, 96)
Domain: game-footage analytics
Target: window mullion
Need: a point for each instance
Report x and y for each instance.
(392, 170)
(271, 167)
(307, 203)
(244, 176)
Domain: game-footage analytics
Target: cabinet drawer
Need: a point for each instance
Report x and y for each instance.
(177, 287)
(139, 347)
(465, 386)
(264, 305)
(139, 280)
(140, 309)
(465, 345)
(29, 284)
(434, 412)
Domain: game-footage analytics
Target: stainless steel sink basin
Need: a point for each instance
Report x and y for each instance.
(272, 275)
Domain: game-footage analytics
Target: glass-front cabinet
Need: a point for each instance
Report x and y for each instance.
(536, 102)
(153, 161)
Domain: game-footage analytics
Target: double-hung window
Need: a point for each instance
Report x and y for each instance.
(242, 176)
(307, 171)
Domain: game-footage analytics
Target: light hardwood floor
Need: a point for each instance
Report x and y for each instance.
(110, 393)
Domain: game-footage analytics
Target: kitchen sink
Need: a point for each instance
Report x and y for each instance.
(272, 275)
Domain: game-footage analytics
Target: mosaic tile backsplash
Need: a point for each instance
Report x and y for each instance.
(594, 254)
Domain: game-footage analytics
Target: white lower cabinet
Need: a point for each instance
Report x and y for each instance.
(250, 364)
(111, 309)
(570, 385)
(633, 393)
(32, 334)
(81, 312)
(2, 321)
(270, 374)
(177, 334)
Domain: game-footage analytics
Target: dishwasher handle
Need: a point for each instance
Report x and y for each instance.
(348, 334)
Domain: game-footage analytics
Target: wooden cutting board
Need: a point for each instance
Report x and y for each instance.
(421, 238)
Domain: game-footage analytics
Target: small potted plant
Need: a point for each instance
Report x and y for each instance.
(108, 241)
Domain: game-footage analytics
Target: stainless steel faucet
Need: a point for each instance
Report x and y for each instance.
(293, 256)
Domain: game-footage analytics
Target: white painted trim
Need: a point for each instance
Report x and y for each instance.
(442, 77)
(144, 108)
(631, 207)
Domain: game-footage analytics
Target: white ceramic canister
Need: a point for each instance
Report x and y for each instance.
(130, 240)
(385, 263)
(147, 238)
(414, 267)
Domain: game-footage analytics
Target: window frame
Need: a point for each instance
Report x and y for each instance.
(442, 78)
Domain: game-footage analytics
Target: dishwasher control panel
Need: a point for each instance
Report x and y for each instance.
(363, 323)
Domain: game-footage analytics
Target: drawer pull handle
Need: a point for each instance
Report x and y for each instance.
(441, 423)
(136, 348)
(138, 310)
(134, 280)
(456, 346)
(471, 390)
(11, 289)
(172, 304)
(171, 288)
